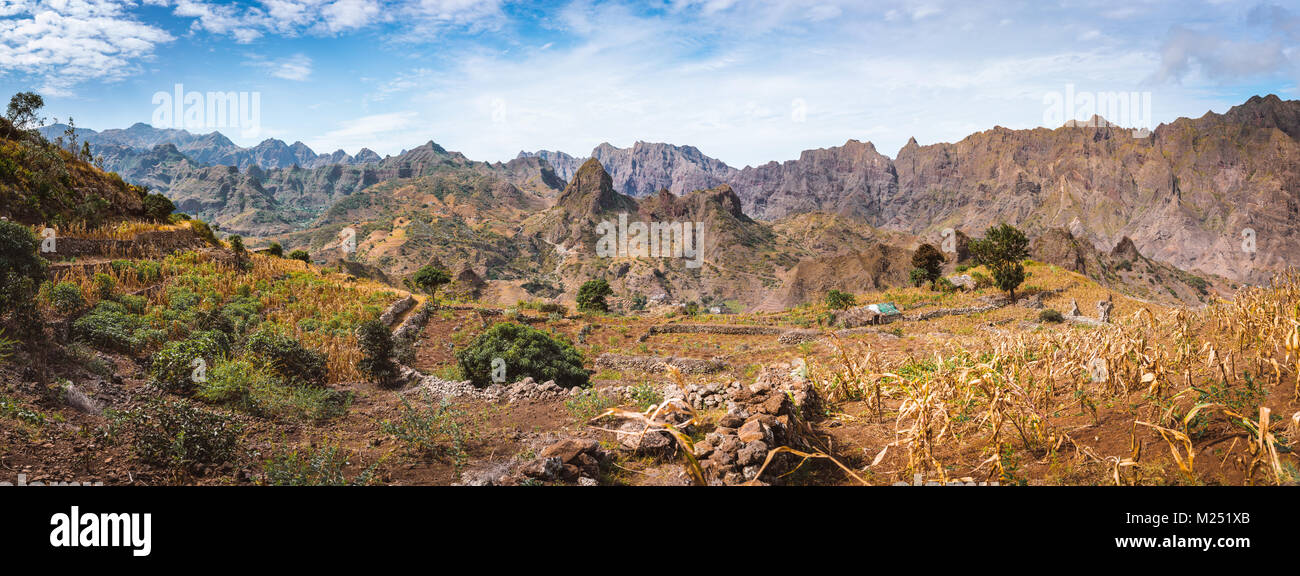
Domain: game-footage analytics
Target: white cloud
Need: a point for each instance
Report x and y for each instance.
(66, 42)
(367, 131)
(297, 67)
(409, 19)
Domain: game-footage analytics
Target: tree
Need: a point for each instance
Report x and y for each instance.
(275, 249)
(591, 296)
(158, 207)
(23, 110)
(376, 345)
(1003, 250)
(430, 278)
(300, 255)
(836, 300)
(929, 261)
(512, 351)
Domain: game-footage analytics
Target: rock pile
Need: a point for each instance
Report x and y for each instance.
(759, 418)
(565, 461)
(709, 396)
(575, 460)
(526, 389)
(655, 363)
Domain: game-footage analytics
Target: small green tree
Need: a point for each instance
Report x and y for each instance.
(929, 261)
(275, 249)
(836, 300)
(376, 345)
(512, 351)
(1003, 250)
(157, 207)
(430, 278)
(300, 255)
(591, 296)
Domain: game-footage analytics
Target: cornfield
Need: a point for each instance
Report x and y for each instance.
(1190, 380)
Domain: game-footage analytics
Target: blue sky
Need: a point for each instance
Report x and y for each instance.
(744, 81)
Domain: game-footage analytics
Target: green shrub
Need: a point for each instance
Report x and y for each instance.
(527, 352)
(133, 304)
(108, 326)
(836, 300)
(253, 387)
(287, 356)
(300, 255)
(204, 232)
(180, 436)
(592, 294)
(270, 399)
(376, 345)
(275, 249)
(104, 285)
(21, 267)
(321, 466)
(174, 367)
(1049, 315)
(66, 298)
(589, 404)
(435, 429)
(645, 395)
(230, 382)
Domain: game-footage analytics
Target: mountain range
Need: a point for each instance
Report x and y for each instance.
(1217, 195)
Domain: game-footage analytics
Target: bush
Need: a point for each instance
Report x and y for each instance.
(203, 231)
(108, 326)
(21, 267)
(66, 298)
(836, 300)
(300, 255)
(254, 387)
(230, 382)
(527, 352)
(376, 345)
(133, 304)
(104, 285)
(321, 466)
(182, 437)
(591, 296)
(1049, 315)
(288, 357)
(275, 249)
(158, 207)
(173, 367)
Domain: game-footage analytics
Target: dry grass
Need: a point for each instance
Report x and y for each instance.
(1175, 373)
